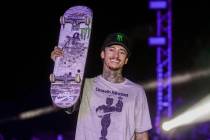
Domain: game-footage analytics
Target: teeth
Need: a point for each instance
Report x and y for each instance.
(116, 61)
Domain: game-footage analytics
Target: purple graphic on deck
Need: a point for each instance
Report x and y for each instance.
(105, 111)
(75, 19)
(74, 37)
(72, 40)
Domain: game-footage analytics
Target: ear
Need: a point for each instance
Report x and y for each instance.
(126, 60)
(102, 54)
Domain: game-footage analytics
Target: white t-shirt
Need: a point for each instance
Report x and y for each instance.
(112, 111)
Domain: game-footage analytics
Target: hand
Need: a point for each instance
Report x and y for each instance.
(57, 52)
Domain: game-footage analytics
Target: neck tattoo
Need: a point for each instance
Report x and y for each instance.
(113, 76)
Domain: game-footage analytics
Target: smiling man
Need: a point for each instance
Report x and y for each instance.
(112, 107)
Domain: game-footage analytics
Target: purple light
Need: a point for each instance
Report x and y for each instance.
(157, 5)
(156, 41)
(60, 137)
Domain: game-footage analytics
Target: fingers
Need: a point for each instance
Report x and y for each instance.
(57, 52)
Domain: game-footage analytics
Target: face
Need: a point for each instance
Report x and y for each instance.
(115, 57)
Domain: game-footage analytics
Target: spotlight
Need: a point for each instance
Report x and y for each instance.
(199, 113)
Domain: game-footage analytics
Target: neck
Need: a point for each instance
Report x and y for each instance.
(113, 76)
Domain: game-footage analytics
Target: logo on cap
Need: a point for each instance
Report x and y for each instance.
(119, 37)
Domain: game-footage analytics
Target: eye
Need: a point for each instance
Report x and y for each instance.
(123, 52)
(111, 49)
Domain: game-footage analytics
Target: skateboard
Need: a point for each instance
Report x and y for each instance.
(68, 73)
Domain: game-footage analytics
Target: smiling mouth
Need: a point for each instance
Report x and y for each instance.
(115, 61)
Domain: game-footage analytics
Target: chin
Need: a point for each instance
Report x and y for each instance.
(115, 68)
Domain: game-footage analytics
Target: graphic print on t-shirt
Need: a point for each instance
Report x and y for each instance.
(105, 111)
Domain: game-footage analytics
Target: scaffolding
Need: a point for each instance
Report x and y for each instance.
(162, 41)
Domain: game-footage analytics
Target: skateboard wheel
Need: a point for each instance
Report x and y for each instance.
(62, 20)
(77, 78)
(87, 21)
(52, 78)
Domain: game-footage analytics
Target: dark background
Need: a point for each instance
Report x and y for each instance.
(31, 31)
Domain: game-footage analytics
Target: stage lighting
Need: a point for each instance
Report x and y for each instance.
(198, 113)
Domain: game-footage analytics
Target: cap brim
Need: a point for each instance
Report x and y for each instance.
(118, 43)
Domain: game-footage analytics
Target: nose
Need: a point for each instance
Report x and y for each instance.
(116, 54)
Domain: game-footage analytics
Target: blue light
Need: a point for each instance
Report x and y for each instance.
(157, 4)
(157, 41)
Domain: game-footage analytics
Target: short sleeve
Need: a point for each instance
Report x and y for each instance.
(142, 115)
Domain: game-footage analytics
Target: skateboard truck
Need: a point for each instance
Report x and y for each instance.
(66, 78)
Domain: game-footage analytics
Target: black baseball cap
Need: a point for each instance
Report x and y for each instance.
(117, 39)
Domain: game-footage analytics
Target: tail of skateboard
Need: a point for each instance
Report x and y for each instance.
(68, 74)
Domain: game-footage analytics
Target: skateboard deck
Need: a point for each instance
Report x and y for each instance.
(68, 73)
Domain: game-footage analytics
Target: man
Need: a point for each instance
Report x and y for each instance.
(112, 107)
